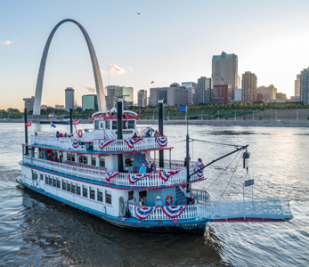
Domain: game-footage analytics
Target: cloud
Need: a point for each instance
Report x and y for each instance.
(103, 71)
(115, 69)
(91, 89)
(6, 42)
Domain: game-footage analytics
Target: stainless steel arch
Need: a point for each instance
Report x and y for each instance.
(95, 66)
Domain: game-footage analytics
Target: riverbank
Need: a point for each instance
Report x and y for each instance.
(221, 122)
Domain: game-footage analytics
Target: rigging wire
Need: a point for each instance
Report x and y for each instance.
(231, 177)
(224, 169)
(223, 144)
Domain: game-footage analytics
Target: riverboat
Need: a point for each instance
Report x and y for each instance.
(97, 171)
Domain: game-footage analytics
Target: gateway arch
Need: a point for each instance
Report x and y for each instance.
(95, 66)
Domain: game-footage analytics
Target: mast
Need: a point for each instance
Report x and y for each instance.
(187, 157)
(26, 130)
(71, 122)
(160, 122)
(119, 130)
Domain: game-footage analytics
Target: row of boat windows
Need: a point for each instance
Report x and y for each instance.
(126, 124)
(75, 188)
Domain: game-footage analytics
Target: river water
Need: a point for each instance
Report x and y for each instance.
(37, 231)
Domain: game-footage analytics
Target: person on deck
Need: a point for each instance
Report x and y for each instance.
(143, 169)
(135, 136)
(156, 134)
(158, 202)
(199, 164)
(142, 202)
(150, 168)
(185, 163)
(65, 135)
(57, 134)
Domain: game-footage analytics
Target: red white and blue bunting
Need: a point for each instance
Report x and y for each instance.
(166, 175)
(200, 172)
(104, 143)
(132, 142)
(162, 141)
(134, 177)
(173, 211)
(75, 143)
(109, 175)
(144, 212)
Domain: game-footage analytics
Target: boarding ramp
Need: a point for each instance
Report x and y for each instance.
(251, 210)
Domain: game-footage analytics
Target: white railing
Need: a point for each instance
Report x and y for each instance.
(175, 164)
(153, 180)
(190, 212)
(121, 145)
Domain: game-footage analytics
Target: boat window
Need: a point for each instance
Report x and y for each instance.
(85, 191)
(54, 182)
(143, 195)
(41, 176)
(131, 195)
(64, 185)
(71, 157)
(93, 160)
(100, 195)
(131, 124)
(83, 159)
(68, 186)
(77, 189)
(92, 193)
(96, 124)
(108, 197)
(50, 181)
(46, 179)
(107, 125)
(129, 160)
(124, 124)
(73, 188)
(102, 161)
(58, 183)
(102, 125)
(114, 125)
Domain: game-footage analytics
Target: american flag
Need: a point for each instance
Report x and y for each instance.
(51, 115)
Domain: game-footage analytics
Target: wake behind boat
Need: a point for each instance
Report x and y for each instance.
(102, 171)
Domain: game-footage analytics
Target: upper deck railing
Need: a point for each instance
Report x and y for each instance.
(102, 145)
(132, 180)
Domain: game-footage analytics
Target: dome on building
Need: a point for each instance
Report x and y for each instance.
(175, 85)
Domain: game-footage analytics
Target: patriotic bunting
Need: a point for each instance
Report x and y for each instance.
(166, 175)
(162, 141)
(109, 175)
(75, 143)
(104, 143)
(144, 212)
(173, 211)
(200, 173)
(132, 142)
(134, 177)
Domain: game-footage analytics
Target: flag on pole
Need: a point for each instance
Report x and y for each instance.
(51, 115)
(28, 124)
(182, 109)
(152, 82)
(52, 124)
(76, 122)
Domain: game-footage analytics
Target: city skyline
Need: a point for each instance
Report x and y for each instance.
(273, 49)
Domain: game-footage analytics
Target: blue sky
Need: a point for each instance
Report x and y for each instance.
(170, 41)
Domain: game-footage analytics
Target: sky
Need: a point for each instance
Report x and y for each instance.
(170, 41)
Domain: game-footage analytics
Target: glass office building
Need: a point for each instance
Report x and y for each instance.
(90, 102)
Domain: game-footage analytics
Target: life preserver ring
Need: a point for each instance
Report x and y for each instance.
(169, 200)
(80, 133)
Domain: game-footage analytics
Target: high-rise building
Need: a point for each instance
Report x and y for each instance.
(237, 95)
(304, 86)
(225, 70)
(69, 98)
(249, 87)
(112, 92)
(29, 103)
(129, 93)
(281, 96)
(142, 98)
(90, 102)
(269, 93)
(203, 91)
(222, 93)
(297, 86)
(173, 95)
(192, 87)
